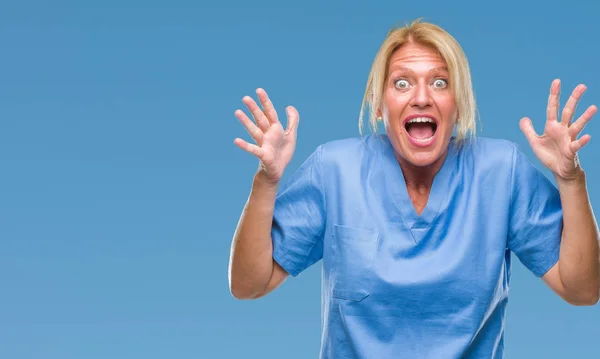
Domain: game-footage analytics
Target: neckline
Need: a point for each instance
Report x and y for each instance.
(396, 183)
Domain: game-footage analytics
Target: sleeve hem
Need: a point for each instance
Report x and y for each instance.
(540, 271)
(283, 260)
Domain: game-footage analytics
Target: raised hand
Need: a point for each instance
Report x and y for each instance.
(557, 147)
(274, 146)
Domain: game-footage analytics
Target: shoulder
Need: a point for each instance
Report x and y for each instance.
(355, 145)
(489, 146)
(350, 151)
(335, 159)
(502, 160)
(490, 152)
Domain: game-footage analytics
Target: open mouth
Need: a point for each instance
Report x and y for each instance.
(421, 129)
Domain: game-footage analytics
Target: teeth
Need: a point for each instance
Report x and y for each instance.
(424, 140)
(421, 119)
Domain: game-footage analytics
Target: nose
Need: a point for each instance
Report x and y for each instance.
(421, 96)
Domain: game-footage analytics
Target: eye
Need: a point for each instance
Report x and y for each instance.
(402, 84)
(440, 83)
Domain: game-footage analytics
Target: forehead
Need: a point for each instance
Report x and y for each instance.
(416, 57)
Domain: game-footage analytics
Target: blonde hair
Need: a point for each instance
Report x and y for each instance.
(460, 76)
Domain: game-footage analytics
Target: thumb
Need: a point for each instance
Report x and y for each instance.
(293, 119)
(527, 129)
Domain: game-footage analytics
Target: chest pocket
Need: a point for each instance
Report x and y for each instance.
(353, 254)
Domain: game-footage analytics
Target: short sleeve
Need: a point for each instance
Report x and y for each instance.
(299, 218)
(535, 227)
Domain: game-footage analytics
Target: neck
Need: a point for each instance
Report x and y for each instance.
(420, 177)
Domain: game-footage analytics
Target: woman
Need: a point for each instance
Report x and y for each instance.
(415, 228)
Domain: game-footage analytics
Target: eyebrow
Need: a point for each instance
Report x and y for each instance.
(406, 69)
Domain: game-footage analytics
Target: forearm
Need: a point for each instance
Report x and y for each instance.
(251, 262)
(579, 252)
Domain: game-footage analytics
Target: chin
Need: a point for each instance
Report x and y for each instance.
(423, 159)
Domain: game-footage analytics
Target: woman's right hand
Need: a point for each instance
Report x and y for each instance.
(274, 146)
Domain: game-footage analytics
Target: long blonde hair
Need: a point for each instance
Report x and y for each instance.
(448, 48)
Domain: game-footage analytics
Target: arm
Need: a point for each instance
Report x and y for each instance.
(252, 270)
(576, 276)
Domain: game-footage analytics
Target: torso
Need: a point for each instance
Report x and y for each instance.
(421, 274)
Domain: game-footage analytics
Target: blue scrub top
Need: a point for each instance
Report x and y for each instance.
(401, 285)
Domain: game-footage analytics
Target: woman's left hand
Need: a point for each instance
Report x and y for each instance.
(557, 147)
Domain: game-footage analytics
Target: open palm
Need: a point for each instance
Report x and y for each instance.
(274, 146)
(557, 147)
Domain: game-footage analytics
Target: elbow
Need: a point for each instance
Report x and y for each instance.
(243, 292)
(584, 302)
(595, 299)
(587, 299)
(239, 295)
(237, 291)
(591, 299)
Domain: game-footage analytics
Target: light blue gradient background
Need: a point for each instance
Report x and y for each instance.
(120, 185)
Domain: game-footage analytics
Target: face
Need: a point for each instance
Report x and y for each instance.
(419, 111)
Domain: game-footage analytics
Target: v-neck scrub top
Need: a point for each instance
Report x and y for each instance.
(401, 285)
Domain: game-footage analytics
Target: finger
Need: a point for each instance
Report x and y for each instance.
(578, 126)
(248, 147)
(267, 106)
(552, 110)
(575, 146)
(293, 119)
(571, 105)
(259, 116)
(252, 129)
(528, 130)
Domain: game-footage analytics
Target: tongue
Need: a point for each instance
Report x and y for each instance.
(420, 131)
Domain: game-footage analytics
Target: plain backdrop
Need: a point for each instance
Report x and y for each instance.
(120, 185)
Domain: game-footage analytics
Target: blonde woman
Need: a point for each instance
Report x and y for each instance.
(416, 227)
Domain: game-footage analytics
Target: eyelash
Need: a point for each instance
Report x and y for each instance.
(434, 80)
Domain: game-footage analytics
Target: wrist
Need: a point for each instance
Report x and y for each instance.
(577, 179)
(262, 181)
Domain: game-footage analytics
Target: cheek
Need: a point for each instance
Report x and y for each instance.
(448, 109)
(393, 104)
(449, 104)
